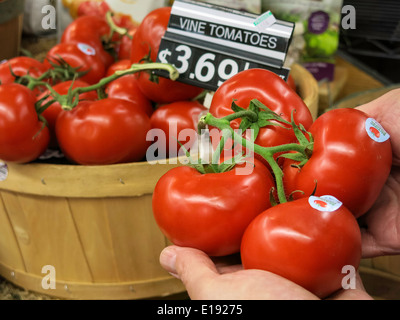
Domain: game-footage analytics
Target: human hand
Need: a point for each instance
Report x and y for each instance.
(381, 224)
(205, 279)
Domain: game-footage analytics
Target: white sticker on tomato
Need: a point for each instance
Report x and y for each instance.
(375, 130)
(324, 203)
(3, 171)
(3, 61)
(86, 49)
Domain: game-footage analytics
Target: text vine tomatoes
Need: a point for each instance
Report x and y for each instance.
(346, 162)
(210, 211)
(307, 241)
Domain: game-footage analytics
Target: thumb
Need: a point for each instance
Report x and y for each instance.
(193, 267)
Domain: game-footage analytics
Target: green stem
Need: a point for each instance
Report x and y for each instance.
(241, 114)
(173, 74)
(217, 154)
(114, 28)
(266, 153)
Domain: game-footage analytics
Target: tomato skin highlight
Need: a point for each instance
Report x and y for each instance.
(210, 211)
(345, 163)
(23, 138)
(304, 245)
(103, 132)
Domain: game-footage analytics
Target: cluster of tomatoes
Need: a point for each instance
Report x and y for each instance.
(108, 122)
(327, 174)
(343, 154)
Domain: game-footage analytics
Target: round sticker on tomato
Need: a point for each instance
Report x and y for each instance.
(86, 49)
(324, 203)
(375, 131)
(3, 171)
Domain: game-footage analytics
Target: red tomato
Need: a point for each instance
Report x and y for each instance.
(103, 132)
(91, 30)
(22, 135)
(346, 162)
(304, 244)
(172, 119)
(147, 39)
(127, 88)
(21, 66)
(273, 92)
(79, 55)
(94, 8)
(210, 211)
(125, 46)
(52, 112)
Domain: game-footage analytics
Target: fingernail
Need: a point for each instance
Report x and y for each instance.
(175, 275)
(168, 260)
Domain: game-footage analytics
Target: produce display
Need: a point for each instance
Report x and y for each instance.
(280, 189)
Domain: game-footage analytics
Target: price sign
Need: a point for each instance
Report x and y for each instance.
(208, 44)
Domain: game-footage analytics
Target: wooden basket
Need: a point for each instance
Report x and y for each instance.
(93, 224)
(307, 88)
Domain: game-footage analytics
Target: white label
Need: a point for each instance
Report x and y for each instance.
(264, 21)
(3, 171)
(324, 203)
(375, 131)
(3, 61)
(86, 49)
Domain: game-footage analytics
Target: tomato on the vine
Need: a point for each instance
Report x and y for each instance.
(127, 88)
(308, 241)
(172, 119)
(20, 66)
(210, 211)
(91, 30)
(273, 92)
(124, 48)
(51, 113)
(103, 132)
(23, 137)
(78, 55)
(145, 44)
(346, 162)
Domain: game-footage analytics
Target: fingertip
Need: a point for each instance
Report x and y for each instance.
(168, 259)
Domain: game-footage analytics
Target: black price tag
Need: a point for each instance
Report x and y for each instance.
(208, 44)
